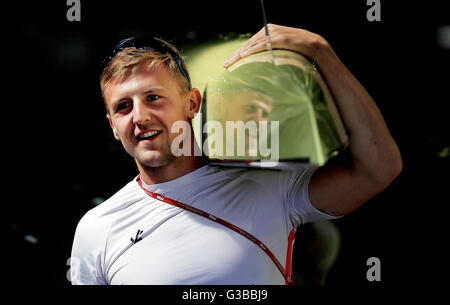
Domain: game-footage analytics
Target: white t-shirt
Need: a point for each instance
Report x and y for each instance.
(132, 238)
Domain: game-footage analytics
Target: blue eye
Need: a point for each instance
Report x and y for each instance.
(122, 106)
(153, 97)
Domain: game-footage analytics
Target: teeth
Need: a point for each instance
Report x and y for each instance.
(148, 134)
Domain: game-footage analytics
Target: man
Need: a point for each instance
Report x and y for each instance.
(184, 222)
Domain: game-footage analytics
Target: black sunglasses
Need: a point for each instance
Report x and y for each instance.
(146, 43)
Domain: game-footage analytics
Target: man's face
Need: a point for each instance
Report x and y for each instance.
(249, 106)
(142, 109)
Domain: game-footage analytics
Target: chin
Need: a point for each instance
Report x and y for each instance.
(155, 159)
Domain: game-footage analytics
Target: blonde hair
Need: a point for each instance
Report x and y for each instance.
(122, 65)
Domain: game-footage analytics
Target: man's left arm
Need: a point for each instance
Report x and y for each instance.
(338, 187)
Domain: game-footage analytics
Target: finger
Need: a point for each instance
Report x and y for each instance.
(246, 44)
(258, 46)
(244, 51)
(233, 58)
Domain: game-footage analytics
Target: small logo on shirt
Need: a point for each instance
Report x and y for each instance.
(137, 238)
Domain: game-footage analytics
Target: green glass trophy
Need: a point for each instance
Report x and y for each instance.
(262, 111)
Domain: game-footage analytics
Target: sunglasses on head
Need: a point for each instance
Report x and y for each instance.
(146, 43)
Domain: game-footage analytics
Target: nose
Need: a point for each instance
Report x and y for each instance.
(141, 113)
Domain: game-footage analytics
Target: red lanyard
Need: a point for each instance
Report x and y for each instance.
(287, 277)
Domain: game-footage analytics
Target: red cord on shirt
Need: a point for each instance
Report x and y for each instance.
(288, 278)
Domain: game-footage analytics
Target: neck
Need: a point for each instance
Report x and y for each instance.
(179, 167)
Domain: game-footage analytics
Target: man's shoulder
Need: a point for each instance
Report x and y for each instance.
(103, 214)
(253, 179)
(94, 227)
(230, 170)
(261, 174)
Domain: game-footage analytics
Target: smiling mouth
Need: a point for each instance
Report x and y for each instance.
(148, 135)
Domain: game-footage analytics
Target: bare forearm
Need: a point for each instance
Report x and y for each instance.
(371, 145)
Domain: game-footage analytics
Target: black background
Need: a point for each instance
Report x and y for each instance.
(60, 153)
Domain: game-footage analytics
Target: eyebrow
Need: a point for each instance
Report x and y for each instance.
(153, 89)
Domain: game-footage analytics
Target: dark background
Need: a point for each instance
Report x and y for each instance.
(60, 154)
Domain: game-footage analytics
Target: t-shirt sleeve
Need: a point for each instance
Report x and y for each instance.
(299, 207)
(86, 261)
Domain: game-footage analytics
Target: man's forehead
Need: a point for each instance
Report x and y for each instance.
(140, 80)
(142, 73)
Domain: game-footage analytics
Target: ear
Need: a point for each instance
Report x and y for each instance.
(195, 99)
(114, 129)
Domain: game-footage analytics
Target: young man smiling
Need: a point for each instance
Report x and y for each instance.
(197, 224)
(144, 131)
